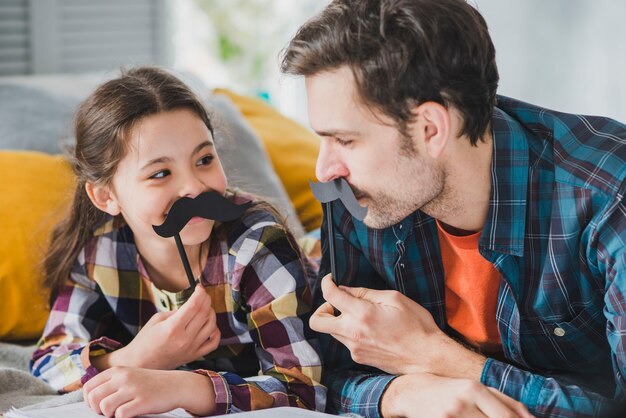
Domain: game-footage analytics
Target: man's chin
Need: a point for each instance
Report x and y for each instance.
(381, 220)
(376, 222)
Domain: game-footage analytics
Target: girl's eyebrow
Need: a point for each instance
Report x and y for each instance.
(196, 150)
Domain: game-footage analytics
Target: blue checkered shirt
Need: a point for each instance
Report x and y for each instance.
(556, 232)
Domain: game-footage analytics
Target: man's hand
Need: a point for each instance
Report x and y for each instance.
(387, 330)
(170, 339)
(428, 396)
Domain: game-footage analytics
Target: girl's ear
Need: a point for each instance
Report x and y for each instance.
(102, 198)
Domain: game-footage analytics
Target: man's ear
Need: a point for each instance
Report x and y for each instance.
(102, 198)
(434, 127)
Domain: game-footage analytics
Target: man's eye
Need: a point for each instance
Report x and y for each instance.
(343, 142)
(160, 174)
(205, 160)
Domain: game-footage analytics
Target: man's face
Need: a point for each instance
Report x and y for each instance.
(386, 171)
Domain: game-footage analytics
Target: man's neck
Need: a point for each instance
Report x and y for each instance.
(464, 204)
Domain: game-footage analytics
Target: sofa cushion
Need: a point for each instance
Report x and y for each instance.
(36, 191)
(292, 149)
(245, 160)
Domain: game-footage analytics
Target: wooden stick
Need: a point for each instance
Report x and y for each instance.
(183, 257)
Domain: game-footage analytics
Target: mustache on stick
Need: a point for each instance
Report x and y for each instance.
(207, 205)
(338, 189)
(326, 193)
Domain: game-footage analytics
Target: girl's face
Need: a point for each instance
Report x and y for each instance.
(171, 155)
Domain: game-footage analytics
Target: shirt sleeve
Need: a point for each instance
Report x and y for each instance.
(272, 278)
(352, 388)
(72, 334)
(548, 397)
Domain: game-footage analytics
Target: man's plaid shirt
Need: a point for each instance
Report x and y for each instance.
(556, 232)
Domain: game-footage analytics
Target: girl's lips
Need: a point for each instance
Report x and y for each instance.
(195, 220)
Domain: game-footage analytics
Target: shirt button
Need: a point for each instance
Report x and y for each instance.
(163, 303)
(559, 332)
(401, 265)
(400, 226)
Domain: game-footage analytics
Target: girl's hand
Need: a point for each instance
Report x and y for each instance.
(127, 392)
(170, 339)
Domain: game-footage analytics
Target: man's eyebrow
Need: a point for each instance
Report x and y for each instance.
(196, 150)
(337, 132)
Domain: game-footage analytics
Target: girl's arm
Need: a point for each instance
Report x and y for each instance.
(271, 279)
(73, 333)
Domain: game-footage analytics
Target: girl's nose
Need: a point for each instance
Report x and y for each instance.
(329, 164)
(191, 186)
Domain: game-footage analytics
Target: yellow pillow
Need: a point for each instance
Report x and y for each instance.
(36, 190)
(292, 149)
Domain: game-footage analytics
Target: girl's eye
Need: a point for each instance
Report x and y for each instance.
(160, 174)
(206, 160)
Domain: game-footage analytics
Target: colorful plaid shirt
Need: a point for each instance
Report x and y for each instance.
(258, 285)
(556, 232)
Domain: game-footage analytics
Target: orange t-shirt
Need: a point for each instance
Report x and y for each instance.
(472, 285)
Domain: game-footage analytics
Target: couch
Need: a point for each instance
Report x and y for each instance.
(262, 152)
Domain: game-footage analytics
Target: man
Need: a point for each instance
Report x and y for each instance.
(487, 278)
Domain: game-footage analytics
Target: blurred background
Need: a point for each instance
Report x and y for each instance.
(565, 54)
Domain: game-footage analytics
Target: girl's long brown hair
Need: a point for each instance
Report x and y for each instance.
(103, 122)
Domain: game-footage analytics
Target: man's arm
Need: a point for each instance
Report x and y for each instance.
(351, 387)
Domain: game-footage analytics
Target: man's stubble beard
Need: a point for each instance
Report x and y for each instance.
(390, 210)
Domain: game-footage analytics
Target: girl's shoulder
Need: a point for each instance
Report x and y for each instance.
(260, 223)
(259, 214)
(108, 243)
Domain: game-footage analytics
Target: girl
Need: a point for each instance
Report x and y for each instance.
(118, 326)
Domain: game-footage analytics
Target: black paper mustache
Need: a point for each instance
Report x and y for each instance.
(208, 205)
(338, 189)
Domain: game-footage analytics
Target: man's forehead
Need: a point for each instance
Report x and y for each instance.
(335, 106)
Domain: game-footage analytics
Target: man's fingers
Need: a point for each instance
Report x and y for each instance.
(357, 292)
(492, 406)
(516, 406)
(383, 297)
(323, 319)
(339, 298)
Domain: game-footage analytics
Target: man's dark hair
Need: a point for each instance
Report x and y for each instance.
(404, 53)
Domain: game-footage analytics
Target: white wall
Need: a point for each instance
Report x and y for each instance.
(569, 55)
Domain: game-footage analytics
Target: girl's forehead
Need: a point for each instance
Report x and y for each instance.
(173, 132)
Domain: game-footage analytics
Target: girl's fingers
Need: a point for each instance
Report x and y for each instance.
(129, 409)
(110, 405)
(96, 394)
(211, 343)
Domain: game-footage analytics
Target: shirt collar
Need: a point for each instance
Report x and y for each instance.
(111, 224)
(506, 221)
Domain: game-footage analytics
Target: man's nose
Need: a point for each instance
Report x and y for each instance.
(329, 164)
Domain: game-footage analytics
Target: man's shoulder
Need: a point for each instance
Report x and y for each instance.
(586, 151)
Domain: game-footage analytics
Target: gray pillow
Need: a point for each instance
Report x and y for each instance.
(34, 119)
(245, 160)
(36, 115)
